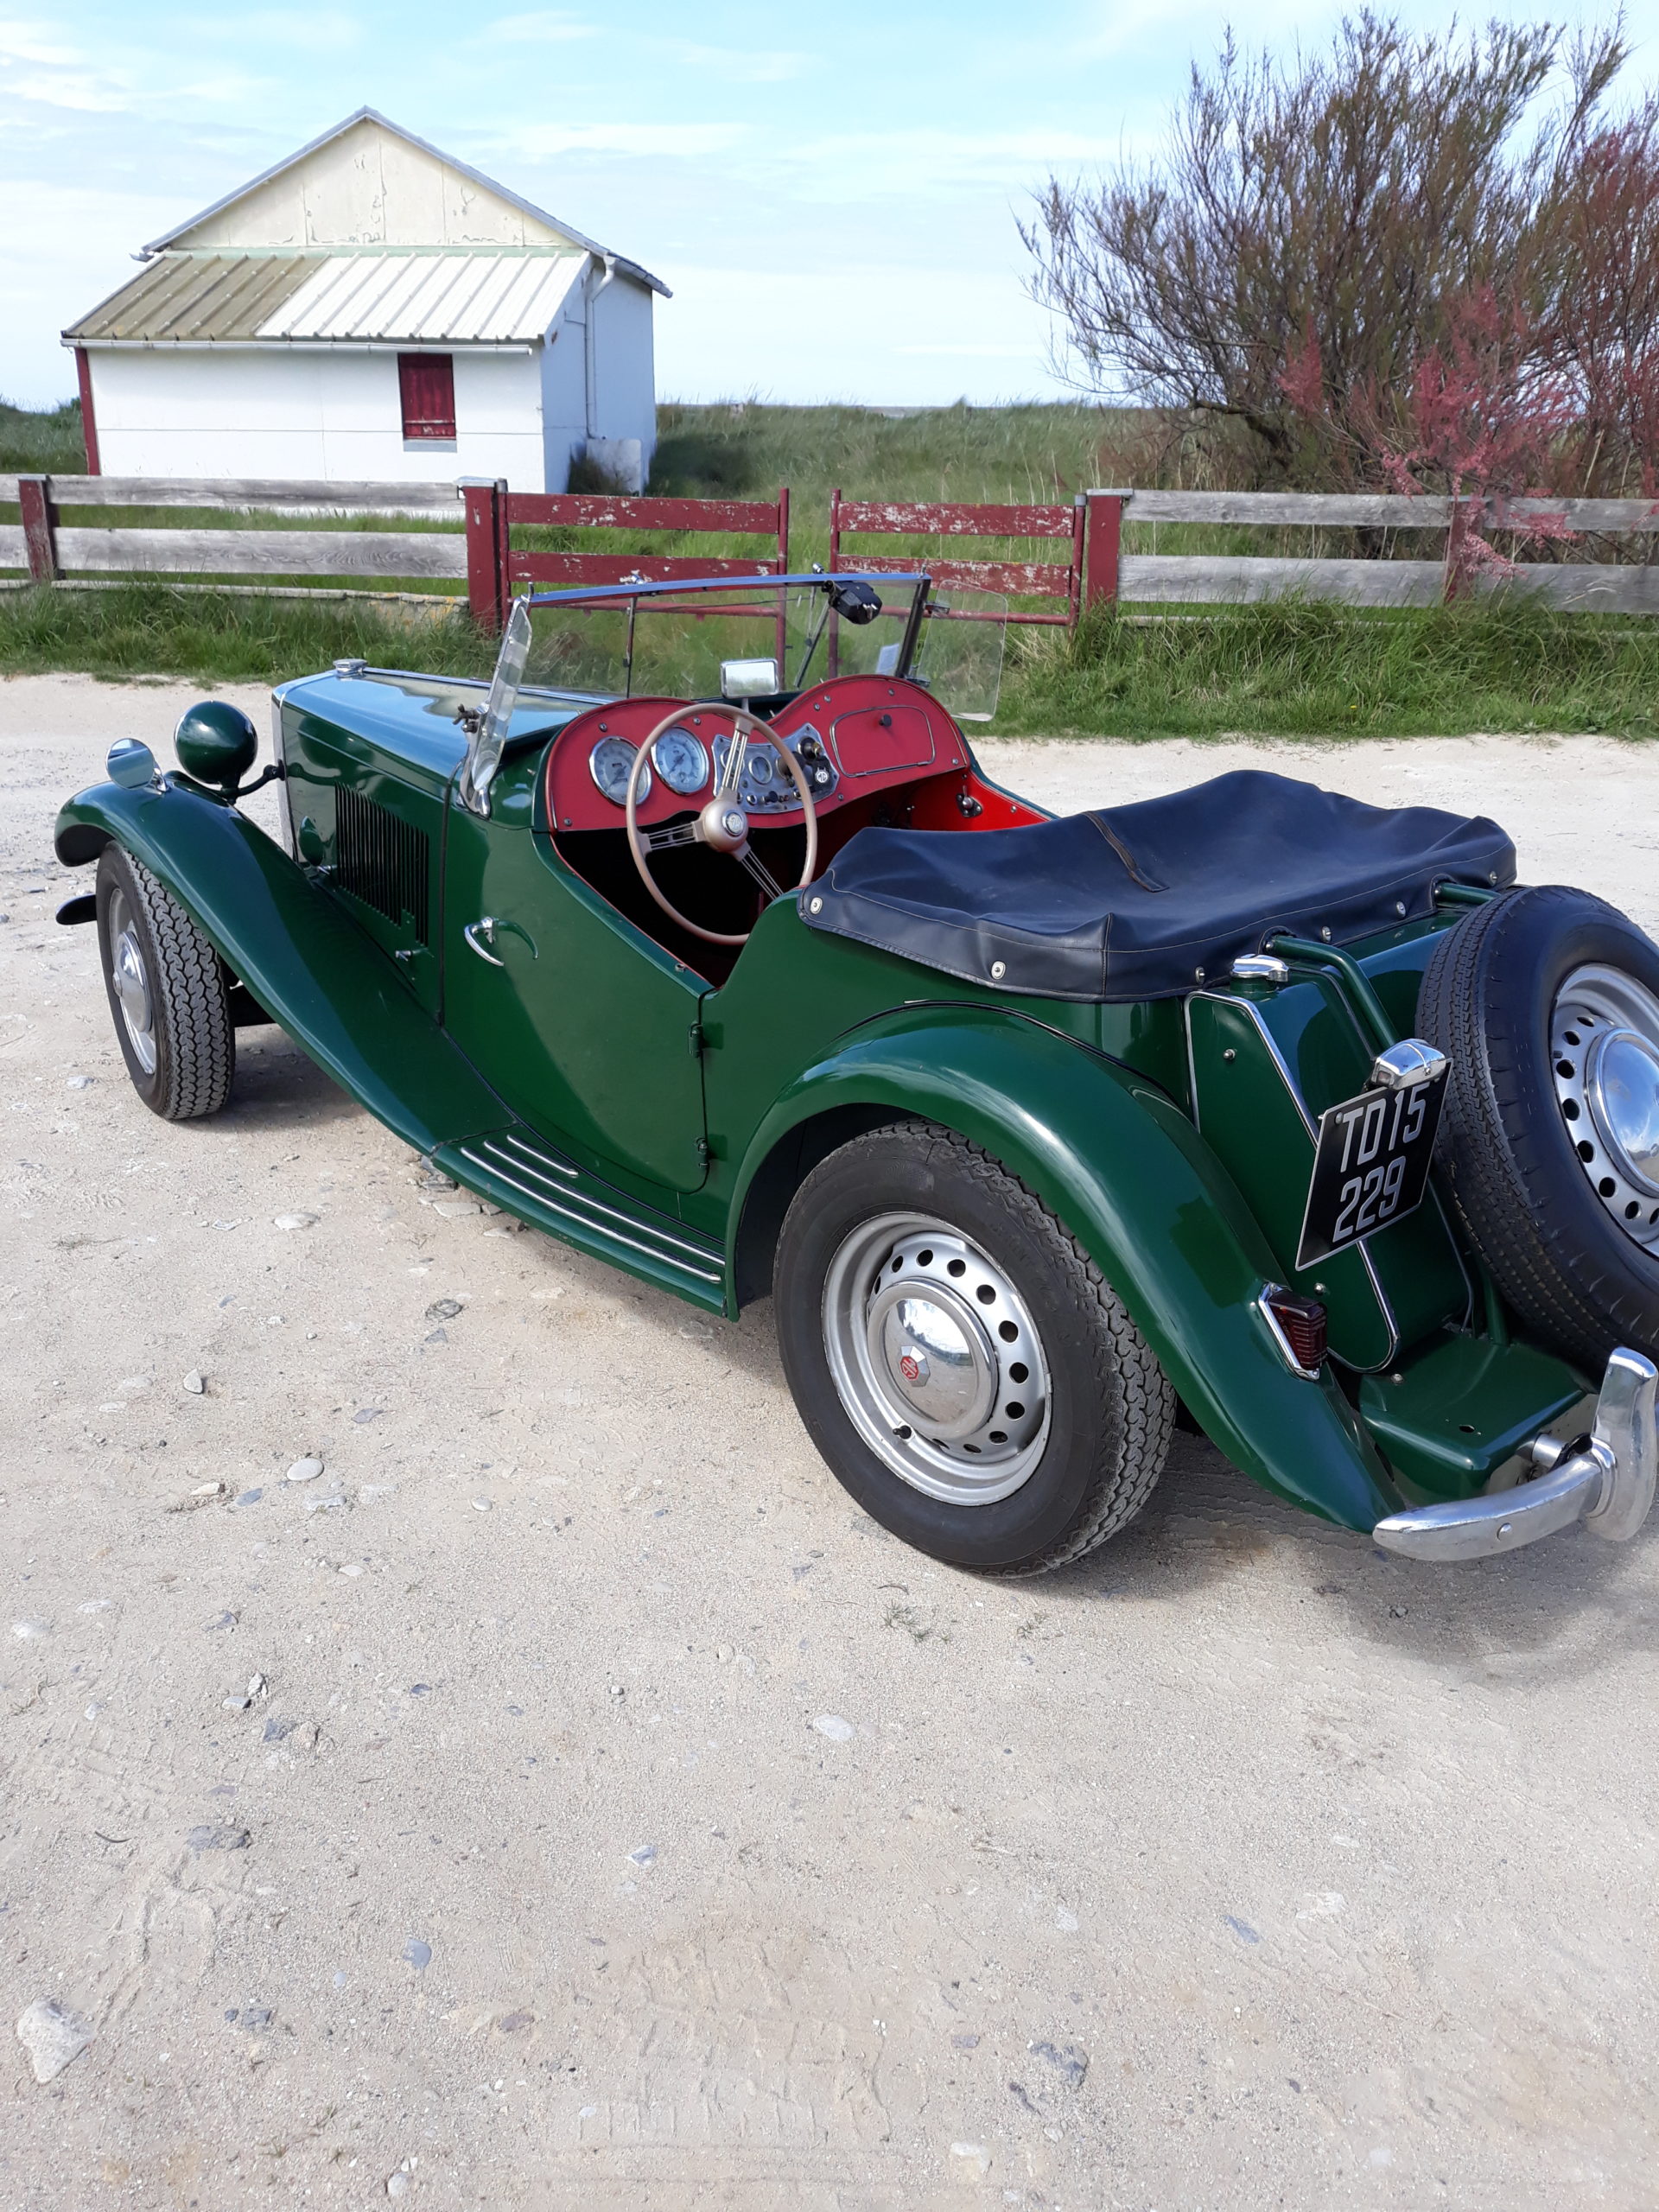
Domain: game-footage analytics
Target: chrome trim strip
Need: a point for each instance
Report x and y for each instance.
(586, 1197)
(1390, 1320)
(658, 1252)
(535, 1162)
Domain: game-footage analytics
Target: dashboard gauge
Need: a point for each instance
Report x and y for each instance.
(758, 767)
(611, 764)
(680, 760)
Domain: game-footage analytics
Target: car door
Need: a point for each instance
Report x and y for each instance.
(587, 1028)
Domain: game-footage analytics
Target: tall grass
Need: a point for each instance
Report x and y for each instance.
(1298, 670)
(150, 629)
(41, 442)
(1275, 671)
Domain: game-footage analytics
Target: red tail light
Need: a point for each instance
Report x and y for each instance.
(1299, 1325)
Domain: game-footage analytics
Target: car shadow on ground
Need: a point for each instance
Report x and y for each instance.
(1565, 1608)
(281, 1087)
(1571, 1604)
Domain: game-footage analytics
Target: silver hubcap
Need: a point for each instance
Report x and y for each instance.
(935, 1359)
(1603, 1041)
(131, 981)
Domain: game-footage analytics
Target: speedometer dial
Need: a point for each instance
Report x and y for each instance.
(680, 760)
(611, 764)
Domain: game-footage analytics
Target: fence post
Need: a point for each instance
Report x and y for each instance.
(486, 550)
(40, 528)
(1103, 546)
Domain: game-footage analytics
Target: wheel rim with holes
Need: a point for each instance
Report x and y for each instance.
(1603, 1050)
(130, 980)
(935, 1359)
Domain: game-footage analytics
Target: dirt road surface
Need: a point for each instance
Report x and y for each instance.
(617, 1819)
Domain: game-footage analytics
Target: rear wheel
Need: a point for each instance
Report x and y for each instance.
(166, 992)
(1547, 1000)
(958, 1359)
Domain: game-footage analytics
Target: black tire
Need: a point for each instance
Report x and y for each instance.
(1110, 1410)
(1560, 1256)
(174, 1026)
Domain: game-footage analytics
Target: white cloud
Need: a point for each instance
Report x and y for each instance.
(542, 28)
(79, 89)
(740, 68)
(30, 42)
(538, 140)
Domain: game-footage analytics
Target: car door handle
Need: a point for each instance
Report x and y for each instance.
(484, 928)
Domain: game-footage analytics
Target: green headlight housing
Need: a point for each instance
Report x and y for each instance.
(216, 744)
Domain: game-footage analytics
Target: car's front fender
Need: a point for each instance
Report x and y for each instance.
(1132, 1178)
(301, 956)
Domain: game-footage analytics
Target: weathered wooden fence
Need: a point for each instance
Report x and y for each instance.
(477, 548)
(51, 548)
(1200, 579)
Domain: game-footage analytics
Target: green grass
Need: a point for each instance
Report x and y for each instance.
(1305, 671)
(149, 629)
(1286, 669)
(41, 444)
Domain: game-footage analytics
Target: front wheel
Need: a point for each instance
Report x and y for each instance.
(166, 986)
(958, 1359)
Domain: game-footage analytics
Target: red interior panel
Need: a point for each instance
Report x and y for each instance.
(881, 734)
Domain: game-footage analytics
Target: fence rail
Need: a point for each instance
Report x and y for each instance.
(1061, 580)
(1091, 567)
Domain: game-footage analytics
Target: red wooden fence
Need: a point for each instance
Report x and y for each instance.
(1061, 579)
(494, 565)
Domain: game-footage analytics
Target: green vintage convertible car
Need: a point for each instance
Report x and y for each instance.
(699, 939)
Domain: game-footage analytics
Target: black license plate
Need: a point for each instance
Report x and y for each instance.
(1371, 1167)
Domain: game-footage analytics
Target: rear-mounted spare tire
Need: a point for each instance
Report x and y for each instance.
(1547, 1001)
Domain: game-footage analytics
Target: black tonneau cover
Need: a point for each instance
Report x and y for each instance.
(1151, 899)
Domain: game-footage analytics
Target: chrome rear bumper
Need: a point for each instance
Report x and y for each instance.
(1608, 1483)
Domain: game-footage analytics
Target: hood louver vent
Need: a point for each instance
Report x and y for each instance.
(382, 861)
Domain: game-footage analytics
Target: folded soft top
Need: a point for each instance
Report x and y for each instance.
(1150, 899)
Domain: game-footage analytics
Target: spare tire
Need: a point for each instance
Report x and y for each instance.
(1547, 1001)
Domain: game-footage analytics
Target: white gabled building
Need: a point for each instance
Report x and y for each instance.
(372, 309)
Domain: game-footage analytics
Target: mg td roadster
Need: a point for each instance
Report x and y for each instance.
(698, 938)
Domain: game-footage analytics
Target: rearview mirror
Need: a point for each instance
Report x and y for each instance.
(748, 679)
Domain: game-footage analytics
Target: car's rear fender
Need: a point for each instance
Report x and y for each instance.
(283, 934)
(1131, 1178)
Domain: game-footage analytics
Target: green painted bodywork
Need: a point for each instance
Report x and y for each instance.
(584, 1079)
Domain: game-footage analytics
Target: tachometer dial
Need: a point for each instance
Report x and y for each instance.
(611, 764)
(680, 760)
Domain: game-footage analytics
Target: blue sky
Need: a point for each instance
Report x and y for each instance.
(831, 193)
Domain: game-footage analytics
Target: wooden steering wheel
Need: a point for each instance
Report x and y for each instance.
(722, 823)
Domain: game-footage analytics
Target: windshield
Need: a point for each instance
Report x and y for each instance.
(754, 640)
(750, 639)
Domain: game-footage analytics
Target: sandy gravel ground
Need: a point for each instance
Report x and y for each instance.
(619, 1820)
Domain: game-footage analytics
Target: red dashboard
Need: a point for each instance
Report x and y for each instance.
(854, 737)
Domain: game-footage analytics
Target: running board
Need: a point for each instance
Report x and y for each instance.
(517, 1171)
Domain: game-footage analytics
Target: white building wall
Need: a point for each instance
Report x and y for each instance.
(564, 403)
(625, 394)
(336, 414)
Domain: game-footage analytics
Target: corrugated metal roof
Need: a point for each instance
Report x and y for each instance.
(431, 298)
(184, 296)
(422, 299)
